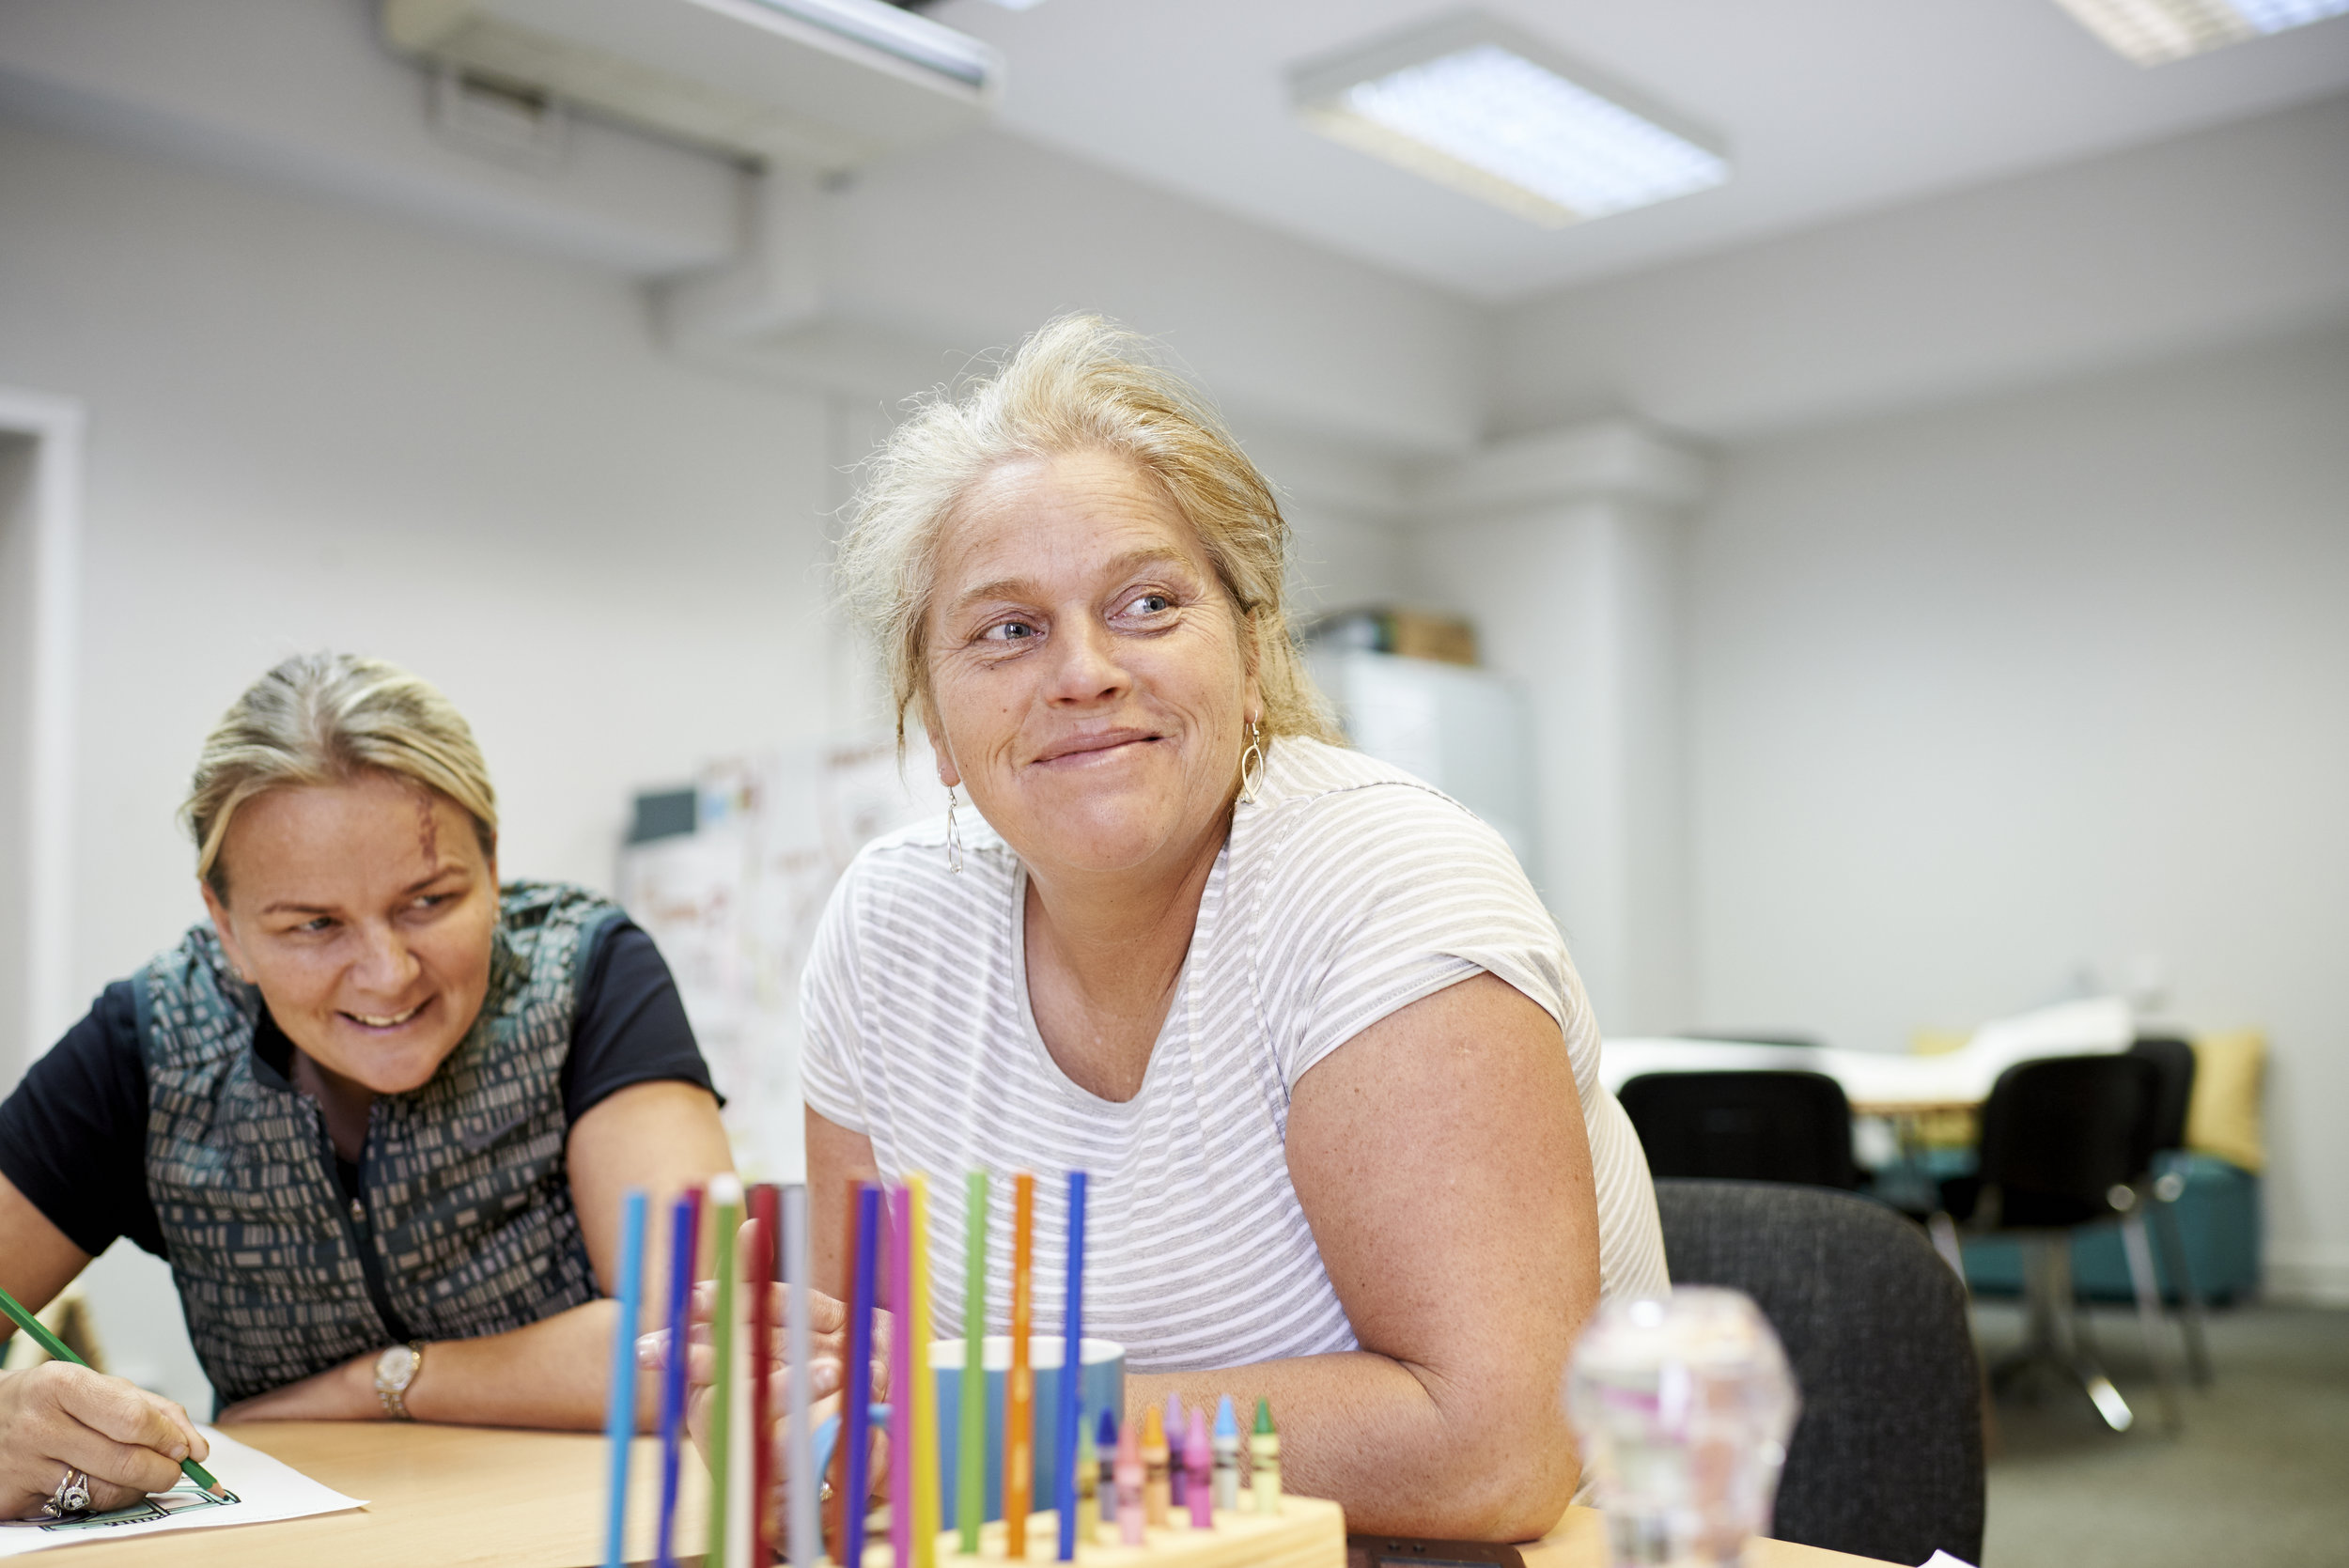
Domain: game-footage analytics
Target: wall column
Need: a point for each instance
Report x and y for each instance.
(1568, 550)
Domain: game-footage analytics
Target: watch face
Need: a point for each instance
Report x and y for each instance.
(395, 1366)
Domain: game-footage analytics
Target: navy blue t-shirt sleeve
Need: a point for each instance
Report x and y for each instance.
(73, 1133)
(631, 1025)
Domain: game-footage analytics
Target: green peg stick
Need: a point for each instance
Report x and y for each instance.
(971, 1454)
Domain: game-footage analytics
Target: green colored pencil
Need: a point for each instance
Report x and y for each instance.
(58, 1352)
(970, 1448)
(725, 1218)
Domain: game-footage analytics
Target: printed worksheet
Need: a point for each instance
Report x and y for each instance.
(255, 1489)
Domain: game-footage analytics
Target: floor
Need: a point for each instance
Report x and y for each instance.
(2258, 1477)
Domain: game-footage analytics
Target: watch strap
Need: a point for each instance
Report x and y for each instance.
(394, 1396)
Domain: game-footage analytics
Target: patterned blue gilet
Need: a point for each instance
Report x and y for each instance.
(464, 1224)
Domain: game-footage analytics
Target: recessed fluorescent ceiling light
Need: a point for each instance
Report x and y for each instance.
(1488, 110)
(877, 25)
(2152, 32)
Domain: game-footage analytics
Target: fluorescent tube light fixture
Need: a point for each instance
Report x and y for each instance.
(1481, 107)
(915, 39)
(2154, 32)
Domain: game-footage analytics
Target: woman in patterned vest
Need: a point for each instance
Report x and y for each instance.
(378, 1113)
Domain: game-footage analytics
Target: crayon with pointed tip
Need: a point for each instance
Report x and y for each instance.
(1264, 1453)
(1199, 1467)
(1130, 1515)
(1154, 1456)
(1177, 1482)
(1226, 1455)
(1088, 1484)
(1106, 1486)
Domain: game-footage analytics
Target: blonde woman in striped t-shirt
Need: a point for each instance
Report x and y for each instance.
(1301, 1015)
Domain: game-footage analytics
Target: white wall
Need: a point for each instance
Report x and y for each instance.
(312, 428)
(2058, 679)
(2200, 241)
(1569, 547)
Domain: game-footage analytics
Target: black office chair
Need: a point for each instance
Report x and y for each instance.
(1765, 1126)
(1885, 1461)
(2159, 1192)
(2064, 1140)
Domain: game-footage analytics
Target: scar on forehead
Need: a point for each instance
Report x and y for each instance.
(428, 827)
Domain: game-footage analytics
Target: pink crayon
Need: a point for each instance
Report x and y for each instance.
(1129, 1521)
(1199, 1465)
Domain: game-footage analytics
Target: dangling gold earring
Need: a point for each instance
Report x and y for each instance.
(1251, 767)
(954, 836)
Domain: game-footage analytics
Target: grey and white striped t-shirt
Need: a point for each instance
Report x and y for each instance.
(1347, 891)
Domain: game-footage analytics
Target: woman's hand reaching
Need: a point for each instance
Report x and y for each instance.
(828, 1353)
(57, 1417)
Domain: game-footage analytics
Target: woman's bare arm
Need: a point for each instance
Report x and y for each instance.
(837, 1160)
(1443, 1161)
(1441, 1158)
(661, 1137)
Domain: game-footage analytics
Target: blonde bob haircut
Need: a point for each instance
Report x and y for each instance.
(325, 719)
(1080, 383)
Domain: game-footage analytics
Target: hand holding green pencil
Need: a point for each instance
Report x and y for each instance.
(63, 1415)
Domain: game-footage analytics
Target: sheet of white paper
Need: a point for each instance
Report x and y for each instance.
(1943, 1559)
(258, 1488)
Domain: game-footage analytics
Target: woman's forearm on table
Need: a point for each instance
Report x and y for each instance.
(552, 1374)
(1394, 1446)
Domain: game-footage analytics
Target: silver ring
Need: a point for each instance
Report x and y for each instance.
(71, 1495)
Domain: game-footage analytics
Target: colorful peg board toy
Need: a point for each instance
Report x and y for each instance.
(1306, 1533)
(999, 1444)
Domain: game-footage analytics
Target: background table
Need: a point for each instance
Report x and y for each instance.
(447, 1496)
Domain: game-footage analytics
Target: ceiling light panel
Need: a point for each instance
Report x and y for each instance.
(1481, 107)
(2153, 32)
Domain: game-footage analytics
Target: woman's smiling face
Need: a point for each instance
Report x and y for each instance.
(364, 911)
(1087, 679)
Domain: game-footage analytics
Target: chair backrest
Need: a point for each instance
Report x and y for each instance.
(1885, 1461)
(2060, 1133)
(2174, 1061)
(1765, 1126)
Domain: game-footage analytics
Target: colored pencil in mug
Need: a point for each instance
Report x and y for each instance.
(765, 1240)
(1065, 1436)
(857, 1402)
(726, 1219)
(685, 1230)
(619, 1425)
(1020, 1387)
(56, 1351)
(901, 1378)
(970, 1447)
(923, 1393)
(805, 1534)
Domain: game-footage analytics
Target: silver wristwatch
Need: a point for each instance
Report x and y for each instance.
(394, 1372)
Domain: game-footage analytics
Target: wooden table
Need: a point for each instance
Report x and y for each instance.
(450, 1496)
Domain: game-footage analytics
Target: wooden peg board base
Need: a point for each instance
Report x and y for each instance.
(1306, 1533)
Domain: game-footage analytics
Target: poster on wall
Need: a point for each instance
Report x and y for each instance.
(730, 878)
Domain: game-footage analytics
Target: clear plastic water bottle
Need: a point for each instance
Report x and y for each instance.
(1683, 1406)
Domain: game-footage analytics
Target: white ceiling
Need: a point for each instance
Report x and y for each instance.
(1828, 106)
